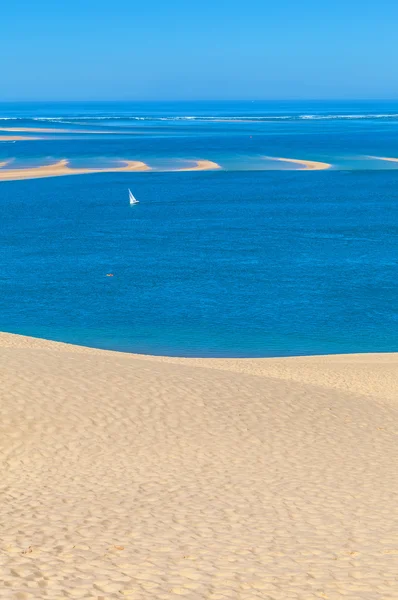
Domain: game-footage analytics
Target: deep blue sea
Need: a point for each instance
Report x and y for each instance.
(250, 260)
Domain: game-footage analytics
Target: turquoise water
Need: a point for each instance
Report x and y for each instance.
(241, 262)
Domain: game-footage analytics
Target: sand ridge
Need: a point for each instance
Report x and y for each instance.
(308, 165)
(140, 477)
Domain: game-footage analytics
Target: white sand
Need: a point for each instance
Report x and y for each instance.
(154, 478)
(307, 165)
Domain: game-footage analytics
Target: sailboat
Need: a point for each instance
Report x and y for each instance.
(132, 199)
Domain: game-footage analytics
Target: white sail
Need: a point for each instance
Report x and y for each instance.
(132, 199)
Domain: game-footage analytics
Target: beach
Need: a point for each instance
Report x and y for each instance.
(127, 476)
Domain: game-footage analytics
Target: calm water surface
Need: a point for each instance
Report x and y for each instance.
(240, 262)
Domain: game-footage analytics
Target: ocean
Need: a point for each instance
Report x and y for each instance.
(255, 259)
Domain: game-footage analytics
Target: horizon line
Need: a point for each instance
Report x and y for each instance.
(187, 100)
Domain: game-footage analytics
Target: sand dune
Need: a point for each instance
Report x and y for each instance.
(201, 165)
(144, 477)
(62, 168)
(308, 165)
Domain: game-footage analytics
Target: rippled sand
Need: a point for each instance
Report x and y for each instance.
(139, 477)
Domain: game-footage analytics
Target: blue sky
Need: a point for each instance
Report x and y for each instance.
(253, 49)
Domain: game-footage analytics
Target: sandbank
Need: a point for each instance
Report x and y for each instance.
(43, 130)
(62, 167)
(126, 476)
(201, 165)
(59, 130)
(308, 165)
(17, 138)
(387, 158)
